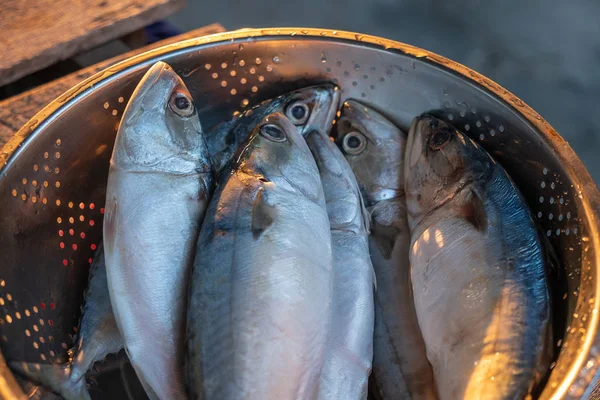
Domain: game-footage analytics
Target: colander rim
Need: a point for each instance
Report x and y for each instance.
(571, 163)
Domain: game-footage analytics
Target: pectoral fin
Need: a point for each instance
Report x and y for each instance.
(474, 212)
(263, 214)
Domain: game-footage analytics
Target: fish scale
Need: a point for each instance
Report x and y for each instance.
(260, 296)
(374, 148)
(539, 160)
(478, 268)
(349, 354)
(158, 187)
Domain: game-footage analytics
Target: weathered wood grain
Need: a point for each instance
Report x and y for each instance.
(37, 33)
(17, 110)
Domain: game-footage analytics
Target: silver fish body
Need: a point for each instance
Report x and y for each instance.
(349, 353)
(374, 148)
(260, 298)
(477, 266)
(158, 185)
(306, 108)
(98, 336)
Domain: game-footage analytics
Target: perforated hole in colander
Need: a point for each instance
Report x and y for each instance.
(67, 163)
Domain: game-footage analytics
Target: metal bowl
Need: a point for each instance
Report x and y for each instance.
(52, 186)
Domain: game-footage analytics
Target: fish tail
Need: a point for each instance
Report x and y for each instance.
(59, 378)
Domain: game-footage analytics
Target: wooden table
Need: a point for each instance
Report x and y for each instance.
(17, 110)
(37, 33)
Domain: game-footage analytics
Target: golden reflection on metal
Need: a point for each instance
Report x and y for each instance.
(564, 154)
(101, 149)
(9, 388)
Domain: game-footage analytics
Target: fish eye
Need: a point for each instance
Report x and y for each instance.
(298, 112)
(181, 104)
(273, 133)
(354, 143)
(440, 138)
(433, 123)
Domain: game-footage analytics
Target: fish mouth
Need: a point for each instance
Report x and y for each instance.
(412, 154)
(152, 90)
(352, 113)
(152, 76)
(334, 104)
(367, 119)
(354, 110)
(326, 100)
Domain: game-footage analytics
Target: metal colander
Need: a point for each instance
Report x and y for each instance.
(52, 186)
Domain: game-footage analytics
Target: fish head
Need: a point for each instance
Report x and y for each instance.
(312, 108)
(345, 207)
(374, 148)
(160, 129)
(440, 162)
(277, 154)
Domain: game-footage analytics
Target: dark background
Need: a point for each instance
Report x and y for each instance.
(547, 52)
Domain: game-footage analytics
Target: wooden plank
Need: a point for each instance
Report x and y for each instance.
(17, 110)
(37, 33)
